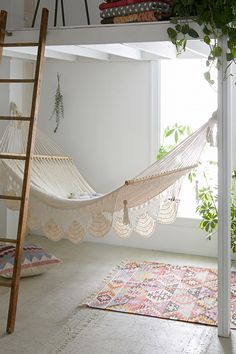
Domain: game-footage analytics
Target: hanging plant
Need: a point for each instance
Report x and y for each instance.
(217, 19)
(58, 111)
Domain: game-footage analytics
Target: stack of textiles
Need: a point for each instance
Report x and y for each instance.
(127, 11)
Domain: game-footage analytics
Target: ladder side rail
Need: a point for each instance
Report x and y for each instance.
(3, 23)
(22, 224)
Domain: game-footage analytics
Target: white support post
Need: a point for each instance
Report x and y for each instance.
(224, 195)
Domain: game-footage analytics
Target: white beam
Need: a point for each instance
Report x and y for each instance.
(67, 53)
(80, 51)
(199, 48)
(155, 50)
(224, 198)
(59, 56)
(18, 55)
(166, 50)
(190, 54)
(119, 50)
(31, 54)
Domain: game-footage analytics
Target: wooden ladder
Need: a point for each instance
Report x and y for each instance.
(13, 284)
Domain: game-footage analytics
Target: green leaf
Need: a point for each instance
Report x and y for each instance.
(229, 56)
(217, 51)
(232, 33)
(176, 137)
(185, 29)
(207, 40)
(207, 76)
(162, 152)
(206, 31)
(233, 53)
(172, 33)
(168, 132)
(193, 33)
(178, 27)
(230, 44)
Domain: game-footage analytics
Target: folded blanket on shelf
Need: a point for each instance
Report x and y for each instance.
(119, 3)
(147, 16)
(160, 7)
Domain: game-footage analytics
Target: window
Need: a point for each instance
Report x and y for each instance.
(187, 99)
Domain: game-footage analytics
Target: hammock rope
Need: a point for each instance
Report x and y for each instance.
(63, 204)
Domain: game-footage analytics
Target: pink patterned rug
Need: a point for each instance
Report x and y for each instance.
(163, 290)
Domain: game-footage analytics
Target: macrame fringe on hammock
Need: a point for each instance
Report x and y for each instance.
(62, 204)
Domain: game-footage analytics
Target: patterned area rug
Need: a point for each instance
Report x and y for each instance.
(163, 290)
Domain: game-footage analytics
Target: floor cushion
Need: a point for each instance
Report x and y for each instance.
(35, 260)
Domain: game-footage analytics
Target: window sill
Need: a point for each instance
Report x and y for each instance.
(191, 222)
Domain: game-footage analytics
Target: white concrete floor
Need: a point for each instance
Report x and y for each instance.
(49, 319)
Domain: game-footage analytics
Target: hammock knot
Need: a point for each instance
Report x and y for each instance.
(210, 134)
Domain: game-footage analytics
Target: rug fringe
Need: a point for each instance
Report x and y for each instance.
(104, 282)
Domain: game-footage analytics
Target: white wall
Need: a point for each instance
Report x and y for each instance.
(21, 12)
(107, 112)
(15, 9)
(21, 93)
(75, 14)
(183, 236)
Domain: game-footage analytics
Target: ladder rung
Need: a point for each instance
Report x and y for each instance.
(15, 118)
(12, 156)
(28, 44)
(7, 284)
(17, 81)
(9, 197)
(8, 240)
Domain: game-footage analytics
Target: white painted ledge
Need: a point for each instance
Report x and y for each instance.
(100, 34)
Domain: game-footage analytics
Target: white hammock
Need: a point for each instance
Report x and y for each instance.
(62, 204)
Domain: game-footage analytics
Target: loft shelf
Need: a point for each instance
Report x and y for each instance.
(136, 41)
(99, 34)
